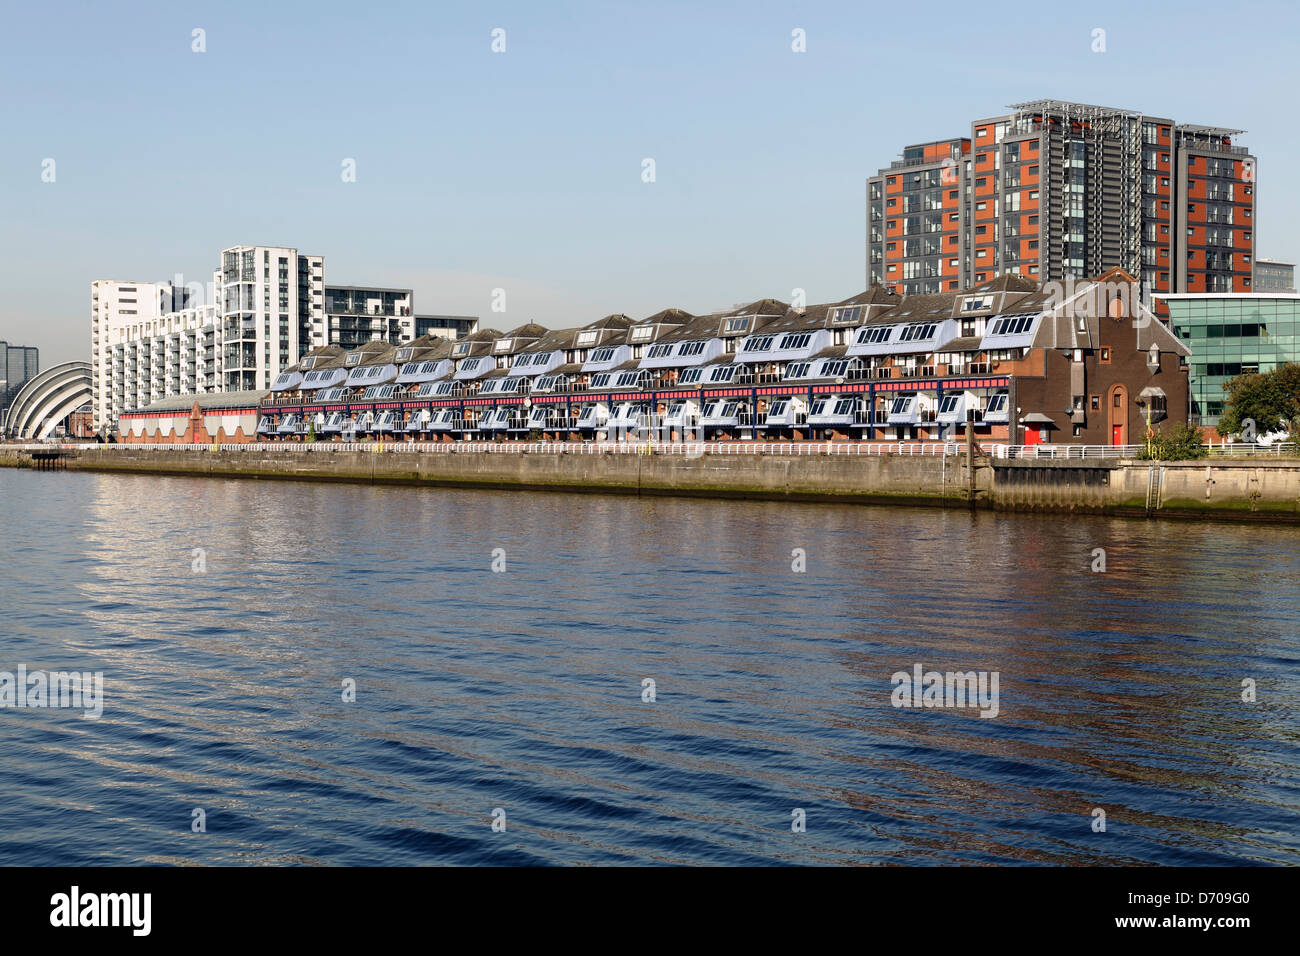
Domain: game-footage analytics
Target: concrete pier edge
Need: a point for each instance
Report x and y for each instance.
(1242, 489)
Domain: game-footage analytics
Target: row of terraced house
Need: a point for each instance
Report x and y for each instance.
(1083, 362)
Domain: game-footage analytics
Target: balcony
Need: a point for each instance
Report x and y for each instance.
(972, 368)
(916, 371)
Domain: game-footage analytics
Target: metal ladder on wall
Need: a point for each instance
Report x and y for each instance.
(1154, 478)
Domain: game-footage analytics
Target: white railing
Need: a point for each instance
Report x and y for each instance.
(1277, 450)
(654, 447)
(637, 447)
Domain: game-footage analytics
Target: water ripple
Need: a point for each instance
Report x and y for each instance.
(522, 691)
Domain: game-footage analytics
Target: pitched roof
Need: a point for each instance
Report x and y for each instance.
(326, 356)
(616, 320)
(207, 400)
(668, 316)
(529, 330)
(759, 307)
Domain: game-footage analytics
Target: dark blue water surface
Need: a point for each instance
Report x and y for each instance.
(522, 690)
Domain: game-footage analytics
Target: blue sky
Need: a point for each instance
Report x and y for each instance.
(522, 170)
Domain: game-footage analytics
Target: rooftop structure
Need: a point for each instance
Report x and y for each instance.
(271, 307)
(1082, 362)
(1055, 190)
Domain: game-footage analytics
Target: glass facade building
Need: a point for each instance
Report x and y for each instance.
(1273, 275)
(18, 365)
(1231, 335)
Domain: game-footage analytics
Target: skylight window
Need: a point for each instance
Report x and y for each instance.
(921, 332)
(795, 340)
(758, 343)
(798, 370)
(1012, 325)
(873, 335)
(722, 374)
(834, 368)
(601, 380)
(691, 376)
(659, 351)
(688, 349)
(605, 354)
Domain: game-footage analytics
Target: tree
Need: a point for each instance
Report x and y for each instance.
(1180, 443)
(1270, 399)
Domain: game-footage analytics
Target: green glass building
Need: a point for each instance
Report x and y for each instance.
(1230, 334)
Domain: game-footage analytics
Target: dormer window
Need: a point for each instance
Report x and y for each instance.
(404, 355)
(503, 345)
(587, 338)
(736, 326)
(977, 303)
(605, 354)
(641, 333)
(846, 314)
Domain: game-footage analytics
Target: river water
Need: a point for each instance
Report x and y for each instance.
(227, 618)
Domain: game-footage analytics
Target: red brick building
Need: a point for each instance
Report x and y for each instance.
(1055, 190)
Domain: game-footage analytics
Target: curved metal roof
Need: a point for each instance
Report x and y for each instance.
(48, 399)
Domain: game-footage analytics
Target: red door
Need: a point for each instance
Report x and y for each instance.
(1034, 436)
(1117, 434)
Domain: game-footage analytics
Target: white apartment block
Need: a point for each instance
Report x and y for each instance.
(122, 312)
(272, 304)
